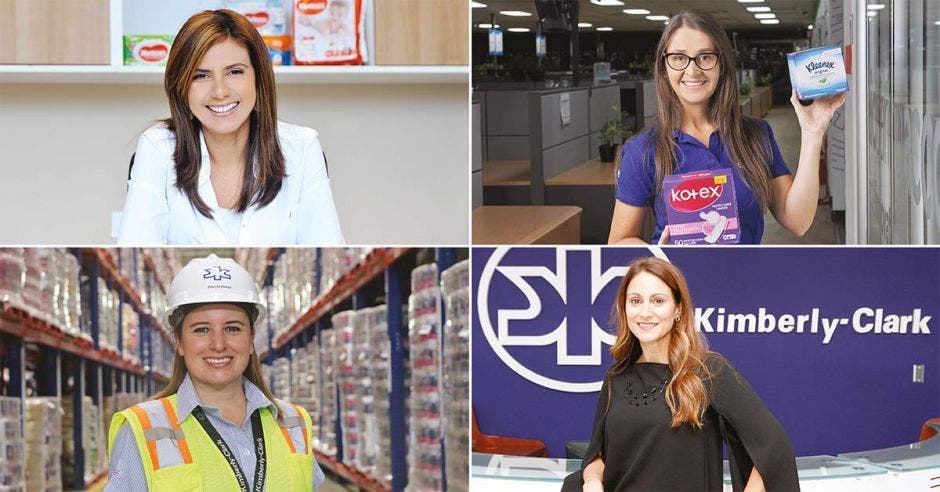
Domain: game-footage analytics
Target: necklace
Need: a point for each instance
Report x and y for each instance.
(636, 398)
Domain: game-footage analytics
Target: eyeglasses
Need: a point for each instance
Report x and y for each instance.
(680, 61)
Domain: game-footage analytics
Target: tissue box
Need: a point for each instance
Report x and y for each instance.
(701, 208)
(817, 72)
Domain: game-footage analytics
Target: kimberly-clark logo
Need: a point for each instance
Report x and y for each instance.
(217, 273)
(545, 312)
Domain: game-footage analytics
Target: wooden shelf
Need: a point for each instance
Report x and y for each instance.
(292, 75)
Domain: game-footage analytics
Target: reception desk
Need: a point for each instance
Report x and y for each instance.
(910, 467)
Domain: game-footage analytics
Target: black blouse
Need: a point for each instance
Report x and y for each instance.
(642, 452)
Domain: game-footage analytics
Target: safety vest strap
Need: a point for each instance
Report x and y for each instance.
(166, 442)
(293, 426)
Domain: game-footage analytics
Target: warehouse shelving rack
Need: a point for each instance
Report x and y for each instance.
(75, 367)
(390, 267)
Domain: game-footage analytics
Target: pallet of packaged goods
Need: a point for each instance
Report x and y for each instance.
(281, 377)
(12, 445)
(455, 282)
(364, 397)
(43, 444)
(424, 457)
(93, 442)
(380, 379)
(342, 326)
(329, 415)
(12, 278)
(305, 385)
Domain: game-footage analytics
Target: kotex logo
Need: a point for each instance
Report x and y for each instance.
(546, 313)
(152, 51)
(695, 194)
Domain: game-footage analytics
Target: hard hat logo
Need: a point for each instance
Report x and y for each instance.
(218, 274)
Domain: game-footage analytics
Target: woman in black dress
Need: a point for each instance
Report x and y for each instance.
(668, 403)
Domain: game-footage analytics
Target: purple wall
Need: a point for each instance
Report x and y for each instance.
(853, 393)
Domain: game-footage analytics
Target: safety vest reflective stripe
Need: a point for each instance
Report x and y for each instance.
(151, 444)
(179, 436)
(303, 429)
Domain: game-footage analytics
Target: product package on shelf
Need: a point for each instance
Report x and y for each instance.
(364, 397)
(424, 304)
(12, 277)
(328, 359)
(342, 326)
(281, 378)
(12, 445)
(329, 32)
(271, 19)
(43, 426)
(380, 377)
(455, 287)
(93, 441)
(130, 333)
(305, 384)
(71, 296)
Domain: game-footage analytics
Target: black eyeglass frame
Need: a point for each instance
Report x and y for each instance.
(691, 59)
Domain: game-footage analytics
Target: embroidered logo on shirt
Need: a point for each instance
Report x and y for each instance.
(217, 273)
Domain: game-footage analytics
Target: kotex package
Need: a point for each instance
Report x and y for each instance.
(328, 32)
(701, 208)
(147, 49)
(817, 72)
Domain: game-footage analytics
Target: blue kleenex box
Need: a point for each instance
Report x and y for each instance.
(817, 72)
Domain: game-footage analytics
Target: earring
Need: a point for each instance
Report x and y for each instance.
(677, 319)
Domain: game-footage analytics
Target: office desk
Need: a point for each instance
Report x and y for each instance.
(526, 225)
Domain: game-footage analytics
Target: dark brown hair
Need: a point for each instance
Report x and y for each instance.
(685, 393)
(261, 183)
(744, 138)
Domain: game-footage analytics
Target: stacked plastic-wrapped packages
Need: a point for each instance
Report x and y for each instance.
(337, 262)
(424, 327)
(93, 441)
(305, 384)
(12, 447)
(380, 375)
(293, 289)
(455, 287)
(280, 375)
(163, 354)
(130, 333)
(328, 360)
(12, 277)
(364, 397)
(342, 326)
(43, 444)
(70, 297)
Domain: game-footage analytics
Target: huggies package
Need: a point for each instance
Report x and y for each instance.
(701, 208)
(817, 72)
(271, 19)
(141, 49)
(328, 32)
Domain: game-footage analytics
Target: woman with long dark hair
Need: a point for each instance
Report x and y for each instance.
(700, 127)
(668, 403)
(222, 169)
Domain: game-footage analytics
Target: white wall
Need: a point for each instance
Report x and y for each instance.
(398, 157)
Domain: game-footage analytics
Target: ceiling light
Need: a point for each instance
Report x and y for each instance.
(605, 28)
(765, 16)
(758, 9)
(876, 6)
(611, 3)
(770, 21)
(810, 27)
(477, 5)
(936, 23)
(750, 1)
(515, 13)
(487, 26)
(636, 11)
(518, 29)
(872, 14)
(657, 17)
(585, 24)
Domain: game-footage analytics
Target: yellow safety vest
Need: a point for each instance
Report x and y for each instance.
(180, 456)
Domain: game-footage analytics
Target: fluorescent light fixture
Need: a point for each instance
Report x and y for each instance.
(515, 13)
(657, 17)
(765, 16)
(872, 13)
(876, 6)
(585, 24)
(636, 11)
(936, 23)
(770, 21)
(477, 5)
(758, 9)
(605, 28)
(611, 3)
(518, 29)
(810, 27)
(487, 26)
(750, 1)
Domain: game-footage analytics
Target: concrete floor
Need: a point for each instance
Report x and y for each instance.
(823, 231)
(332, 486)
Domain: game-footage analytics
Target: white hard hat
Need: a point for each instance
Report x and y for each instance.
(212, 279)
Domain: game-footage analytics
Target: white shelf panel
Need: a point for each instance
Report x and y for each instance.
(325, 75)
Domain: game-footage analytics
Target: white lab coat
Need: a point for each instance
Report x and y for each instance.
(156, 212)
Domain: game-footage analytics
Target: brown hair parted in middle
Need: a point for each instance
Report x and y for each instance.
(685, 393)
(744, 138)
(262, 182)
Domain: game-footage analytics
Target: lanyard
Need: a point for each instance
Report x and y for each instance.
(257, 439)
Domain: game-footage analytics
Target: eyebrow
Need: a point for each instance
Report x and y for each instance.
(206, 70)
(200, 323)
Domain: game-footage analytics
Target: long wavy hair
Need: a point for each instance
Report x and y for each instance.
(685, 393)
(744, 138)
(252, 371)
(261, 183)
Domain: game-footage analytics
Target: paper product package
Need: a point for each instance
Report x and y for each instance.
(271, 18)
(328, 32)
(817, 72)
(147, 49)
(701, 208)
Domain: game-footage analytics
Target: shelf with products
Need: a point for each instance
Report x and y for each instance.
(346, 359)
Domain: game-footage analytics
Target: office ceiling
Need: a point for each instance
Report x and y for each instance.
(731, 13)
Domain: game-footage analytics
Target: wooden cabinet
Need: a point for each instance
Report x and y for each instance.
(54, 32)
(422, 32)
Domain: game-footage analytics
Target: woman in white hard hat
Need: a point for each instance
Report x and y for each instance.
(216, 426)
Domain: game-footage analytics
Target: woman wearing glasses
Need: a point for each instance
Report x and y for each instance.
(700, 127)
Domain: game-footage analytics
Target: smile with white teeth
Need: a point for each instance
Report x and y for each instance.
(691, 83)
(647, 325)
(221, 361)
(223, 109)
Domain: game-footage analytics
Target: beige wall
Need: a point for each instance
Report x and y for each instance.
(398, 157)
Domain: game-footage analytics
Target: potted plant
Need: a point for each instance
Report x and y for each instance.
(614, 133)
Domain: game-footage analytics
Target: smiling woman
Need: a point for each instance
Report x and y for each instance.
(222, 170)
